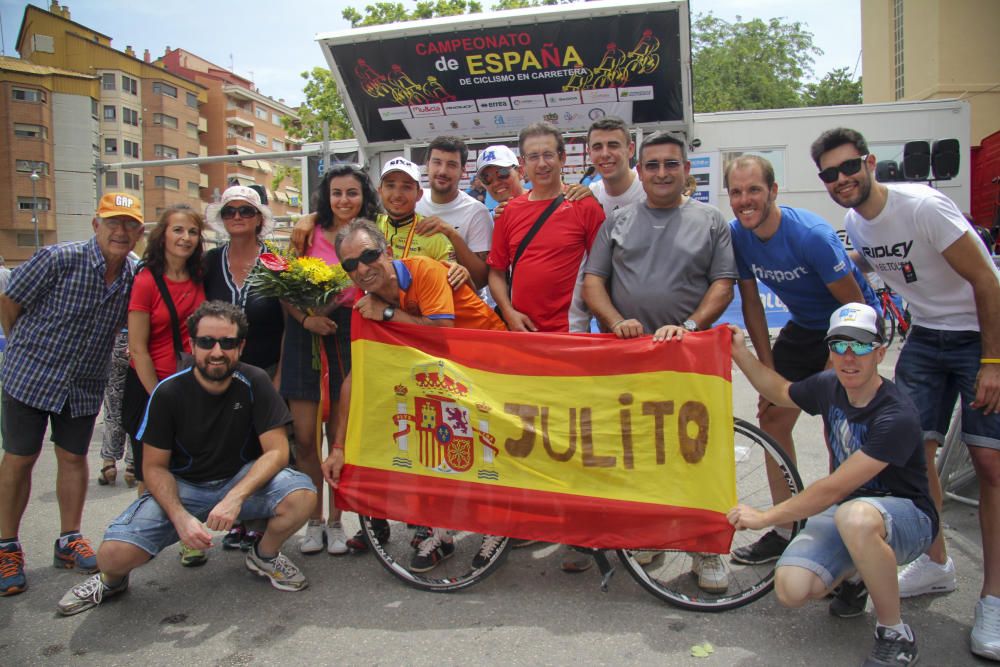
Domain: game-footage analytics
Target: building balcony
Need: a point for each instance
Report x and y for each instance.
(239, 117)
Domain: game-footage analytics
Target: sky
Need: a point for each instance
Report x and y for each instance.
(273, 48)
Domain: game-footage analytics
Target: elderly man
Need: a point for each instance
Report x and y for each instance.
(61, 313)
(497, 168)
(216, 452)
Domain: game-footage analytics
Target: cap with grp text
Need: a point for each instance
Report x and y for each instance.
(114, 204)
(856, 321)
(403, 165)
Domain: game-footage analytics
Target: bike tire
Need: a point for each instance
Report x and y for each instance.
(954, 465)
(452, 574)
(669, 575)
(890, 326)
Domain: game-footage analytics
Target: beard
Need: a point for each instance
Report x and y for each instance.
(859, 197)
(216, 373)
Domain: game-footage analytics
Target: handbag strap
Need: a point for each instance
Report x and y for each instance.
(169, 303)
(530, 235)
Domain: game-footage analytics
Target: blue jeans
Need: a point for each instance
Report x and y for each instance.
(820, 549)
(145, 525)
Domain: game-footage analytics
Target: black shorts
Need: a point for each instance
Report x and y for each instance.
(134, 399)
(23, 428)
(799, 352)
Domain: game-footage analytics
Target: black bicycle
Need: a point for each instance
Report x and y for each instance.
(668, 575)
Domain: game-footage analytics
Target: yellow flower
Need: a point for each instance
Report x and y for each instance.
(315, 270)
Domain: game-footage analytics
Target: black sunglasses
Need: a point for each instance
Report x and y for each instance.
(208, 343)
(369, 257)
(847, 168)
(245, 211)
(503, 173)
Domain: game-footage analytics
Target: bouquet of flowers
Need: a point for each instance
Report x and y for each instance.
(307, 283)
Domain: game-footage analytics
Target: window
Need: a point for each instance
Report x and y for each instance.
(110, 113)
(192, 100)
(131, 181)
(160, 150)
(192, 130)
(28, 95)
(193, 189)
(897, 35)
(108, 81)
(28, 166)
(130, 149)
(261, 139)
(130, 116)
(277, 145)
(93, 108)
(276, 118)
(260, 113)
(165, 120)
(110, 146)
(167, 182)
(30, 131)
(111, 179)
(161, 88)
(776, 156)
(130, 85)
(24, 203)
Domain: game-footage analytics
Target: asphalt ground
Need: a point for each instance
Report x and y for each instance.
(354, 612)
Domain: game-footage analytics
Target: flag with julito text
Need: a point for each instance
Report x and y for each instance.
(577, 439)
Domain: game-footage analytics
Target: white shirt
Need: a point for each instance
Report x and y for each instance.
(467, 215)
(611, 203)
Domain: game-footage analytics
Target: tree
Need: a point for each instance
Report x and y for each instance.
(749, 64)
(322, 103)
(382, 13)
(836, 87)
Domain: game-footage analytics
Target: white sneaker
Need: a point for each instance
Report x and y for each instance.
(312, 543)
(986, 631)
(924, 576)
(645, 556)
(336, 539)
(711, 572)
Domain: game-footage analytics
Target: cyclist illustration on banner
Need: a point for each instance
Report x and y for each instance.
(399, 86)
(617, 67)
(441, 420)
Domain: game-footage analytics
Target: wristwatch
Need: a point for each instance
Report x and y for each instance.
(388, 313)
(690, 325)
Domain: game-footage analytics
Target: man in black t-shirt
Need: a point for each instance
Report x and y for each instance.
(215, 451)
(874, 511)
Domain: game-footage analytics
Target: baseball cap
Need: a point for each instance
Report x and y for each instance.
(495, 156)
(114, 204)
(855, 321)
(403, 165)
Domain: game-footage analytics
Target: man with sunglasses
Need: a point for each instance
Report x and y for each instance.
(874, 510)
(920, 244)
(216, 452)
(61, 312)
(497, 168)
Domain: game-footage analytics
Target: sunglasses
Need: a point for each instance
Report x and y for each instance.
(840, 347)
(208, 343)
(245, 211)
(369, 257)
(503, 173)
(653, 166)
(847, 168)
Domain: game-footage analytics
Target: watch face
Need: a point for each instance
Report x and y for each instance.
(690, 325)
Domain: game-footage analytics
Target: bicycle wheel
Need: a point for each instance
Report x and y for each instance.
(452, 574)
(954, 465)
(889, 316)
(669, 576)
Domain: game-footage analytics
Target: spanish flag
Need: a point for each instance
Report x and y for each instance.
(578, 439)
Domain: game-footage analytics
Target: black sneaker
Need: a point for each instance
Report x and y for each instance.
(431, 551)
(766, 549)
(250, 540)
(234, 538)
(849, 600)
(358, 545)
(488, 550)
(891, 648)
(419, 535)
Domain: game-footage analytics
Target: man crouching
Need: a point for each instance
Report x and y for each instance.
(215, 451)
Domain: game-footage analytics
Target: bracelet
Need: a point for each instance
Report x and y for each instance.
(302, 322)
(336, 446)
(615, 325)
(989, 361)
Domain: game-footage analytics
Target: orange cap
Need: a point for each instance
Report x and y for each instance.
(118, 203)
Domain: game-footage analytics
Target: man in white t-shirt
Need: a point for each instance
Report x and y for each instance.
(611, 151)
(447, 210)
(923, 248)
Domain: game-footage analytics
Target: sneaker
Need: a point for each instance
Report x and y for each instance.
(645, 557)
(891, 648)
(986, 631)
(192, 557)
(12, 579)
(89, 594)
(336, 540)
(282, 573)
(766, 549)
(520, 544)
(76, 554)
(357, 544)
(711, 572)
(925, 576)
(250, 540)
(491, 545)
(234, 538)
(315, 538)
(419, 536)
(430, 552)
(849, 600)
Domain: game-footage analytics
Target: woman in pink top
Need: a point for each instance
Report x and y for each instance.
(345, 193)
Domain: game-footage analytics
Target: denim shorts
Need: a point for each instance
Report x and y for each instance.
(935, 368)
(819, 548)
(145, 525)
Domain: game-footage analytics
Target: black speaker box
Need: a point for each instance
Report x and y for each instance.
(887, 171)
(945, 159)
(916, 160)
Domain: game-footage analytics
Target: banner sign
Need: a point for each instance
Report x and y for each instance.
(480, 81)
(578, 439)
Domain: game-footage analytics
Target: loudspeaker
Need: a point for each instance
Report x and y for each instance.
(916, 160)
(887, 171)
(945, 159)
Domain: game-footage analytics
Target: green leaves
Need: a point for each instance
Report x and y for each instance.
(322, 102)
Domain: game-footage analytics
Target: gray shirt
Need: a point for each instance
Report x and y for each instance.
(659, 262)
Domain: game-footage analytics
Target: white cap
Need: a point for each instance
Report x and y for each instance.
(495, 156)
(213, 212)
(855, 321)
(403, 165)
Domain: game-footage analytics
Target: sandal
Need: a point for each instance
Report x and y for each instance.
(130, 476)
(108, 474)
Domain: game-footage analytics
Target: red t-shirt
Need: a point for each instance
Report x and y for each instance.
(546, 273)
(187, 296)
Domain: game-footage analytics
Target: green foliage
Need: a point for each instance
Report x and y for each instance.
(749, 64)
(322, 103)
(521, 4)
(382, 13)
(836, 87)
(282, 171)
